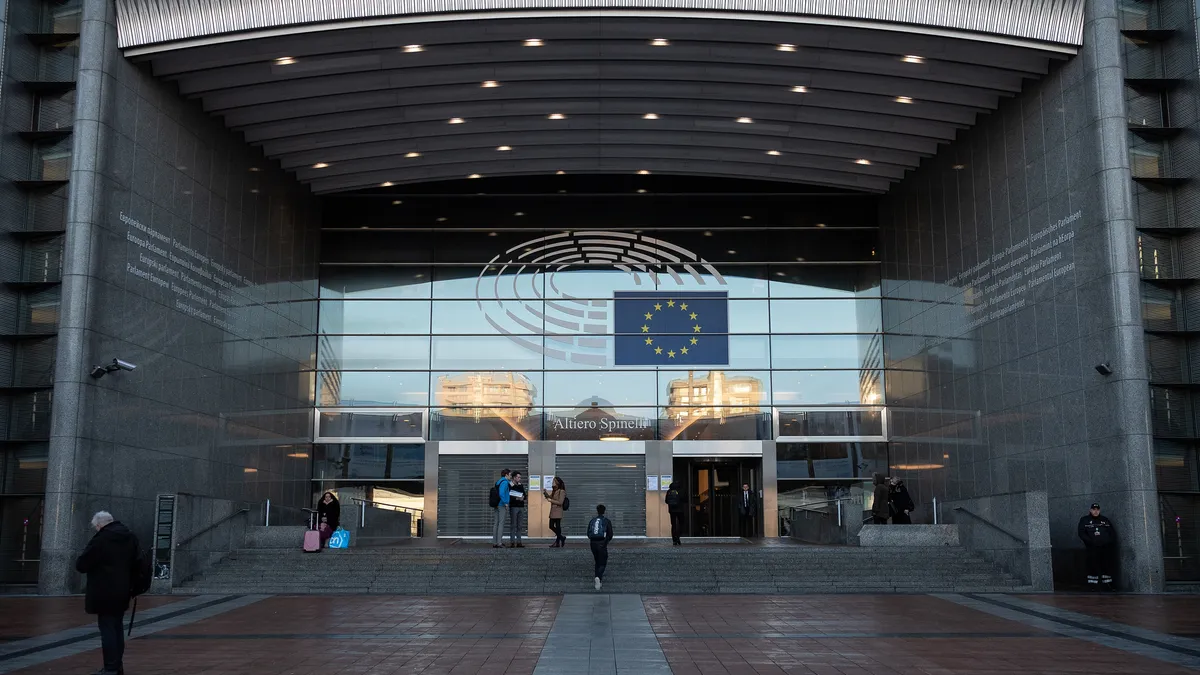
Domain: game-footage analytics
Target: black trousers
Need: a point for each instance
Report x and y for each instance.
(556, 528)
(746, 524)
(112, 640)
(600, 554)
(1099, 564)
(880, 520)
(676, 526)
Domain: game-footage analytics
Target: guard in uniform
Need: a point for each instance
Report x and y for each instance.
(1099, 539)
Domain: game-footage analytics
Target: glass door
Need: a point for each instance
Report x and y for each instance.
(713, 488)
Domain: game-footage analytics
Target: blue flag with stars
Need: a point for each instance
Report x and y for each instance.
(661, 328)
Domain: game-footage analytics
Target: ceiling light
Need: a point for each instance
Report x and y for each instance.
(641, 191)
(255, 169)
(643, 172)
(519, 213)
(745, 120)
(298, 455)
(560, 173)
(781, 274)
(413, 49)
(747, 217)
(820, 224)
(396, 202)
(707, 233)
(785, 47)
(660, 42)
(413, 155)
(491, 234)
(650, 116)
(320, 165)
(249, 470)
(504, 148)
(254, 191)
(800, 89)
(904, 99)
(534, 42)
(799, 259)
(456, 120)
(561, 192)
(959, 167)
(490, 84)
(731, 252)
(556, 116)
(774, 153)
(913, 58)
(284, 61)
(864, 162)
(441, 219)
(475, 175)
(386, 184)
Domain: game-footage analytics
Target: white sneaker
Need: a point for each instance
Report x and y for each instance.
(596, 583)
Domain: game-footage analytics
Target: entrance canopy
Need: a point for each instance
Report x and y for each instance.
(356, 95)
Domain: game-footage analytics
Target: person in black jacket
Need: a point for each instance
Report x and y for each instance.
(109, 562)
(901, 503)
(329, 516)
(676, 508)
(1099, 538)
(600, 532)
(516, 508)
(747, 504)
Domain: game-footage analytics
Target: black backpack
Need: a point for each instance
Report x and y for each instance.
(673, 497)
(494, 496)
(141, 575)
(566, 503)
(597, 530)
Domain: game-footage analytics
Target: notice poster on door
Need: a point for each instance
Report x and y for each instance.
(651, 483)
(535, 482)
(665, 481)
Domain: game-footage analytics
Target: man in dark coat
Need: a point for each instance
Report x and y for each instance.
(747, 505)
(676, 507)
(1099, 538)
(109, 562)
(901, 503)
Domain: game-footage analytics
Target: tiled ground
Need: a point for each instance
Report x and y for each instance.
(28, 617)
(1174, 614)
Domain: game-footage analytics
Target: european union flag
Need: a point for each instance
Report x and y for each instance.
(668, 329)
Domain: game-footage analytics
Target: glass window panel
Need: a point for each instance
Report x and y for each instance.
(749, 352)
(827, 387)
(375, 316)
(462, 352)
(749, 316)
(376, 246)
(383, 282)
(598, 423)
(686, 423)
(455, 317)
(369, 460)
(479, 389)
(829, 460)
(830, 422)
(741, 281)
(606, 388)
(824, 281)
(826, 316)
(370, 424)
(598, 283)
(369, 352)
(481, 247)
(702, 388)
(497, 281)
(826, 351)
(485, 424)
(373, 388)
(576, 352)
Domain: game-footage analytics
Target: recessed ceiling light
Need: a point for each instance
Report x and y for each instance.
(820, 224)
(254, 191)
(534, 42)
(255, 169)
(475, 175)
(731, 252)
(660, 42)
(504, 148)
(413, 49)
(800, 89)
(556, 116)
(959, 167)
(490, 84)
(707, 233)
(519, 213)
(785, 47)
(747, 217)
(249, 470)
(456, 120)
(560, 173)
(284, 61)
(641, 191)
(913, 58)
(774, 153)
(396, 202)
(320, 165)
(650, 116)
(491, 234)
(561, 192)
(904, 99)
(441, 219)
(864, 162)
(780, 274)
(413, 155)
(745, 120)
(643, 172)
(386, 184)
(799, 259)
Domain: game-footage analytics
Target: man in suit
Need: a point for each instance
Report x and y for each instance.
(747, 504)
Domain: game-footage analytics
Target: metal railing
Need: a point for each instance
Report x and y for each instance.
(992, 525)
(415, 515)
(213, 526)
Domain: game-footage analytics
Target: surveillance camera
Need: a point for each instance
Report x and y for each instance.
(123, 365)
(99, 372)
(1104, 369)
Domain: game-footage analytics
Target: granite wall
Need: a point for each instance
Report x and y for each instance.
(192, 257)
(1010, 272)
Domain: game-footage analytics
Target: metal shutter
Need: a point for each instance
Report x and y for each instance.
(617, 481)
(463, 485)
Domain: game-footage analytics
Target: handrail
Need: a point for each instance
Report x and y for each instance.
(392, 507)
(214, 526)
(992, 525)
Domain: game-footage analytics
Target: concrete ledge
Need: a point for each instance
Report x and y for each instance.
(908, 536)
(275, 537)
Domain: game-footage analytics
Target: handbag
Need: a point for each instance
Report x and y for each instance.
(339, 539)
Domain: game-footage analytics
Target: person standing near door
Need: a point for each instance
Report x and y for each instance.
(747, 510)
(499, 503)
(557, 496)
(675, 507)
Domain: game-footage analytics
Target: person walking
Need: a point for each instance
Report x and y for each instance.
(600, 532)
(1099, 539)
(879, 502)
(675, 508)
(900, 503)
(109, 562)
(557, 496)
(747, 510)
(329, 517)
(499, 504)
(516, 508)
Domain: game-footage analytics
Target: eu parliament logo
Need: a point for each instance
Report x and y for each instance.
(663, 328)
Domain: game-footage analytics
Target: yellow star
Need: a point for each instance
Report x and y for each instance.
(658, 350)
(694, 340)
(695, 329)
(649, 316)
(649, 341)
(671, 354)
(645, 329)
(683, 350)
(657, 308)
(693, 316)
(670, 303)
(683, 307)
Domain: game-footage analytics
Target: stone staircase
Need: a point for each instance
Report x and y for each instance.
(632, 568)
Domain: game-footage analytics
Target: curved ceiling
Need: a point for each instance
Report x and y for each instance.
(614, 92)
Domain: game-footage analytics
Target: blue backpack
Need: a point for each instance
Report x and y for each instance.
(597, 529)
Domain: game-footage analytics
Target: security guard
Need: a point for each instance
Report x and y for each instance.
(1099, 538)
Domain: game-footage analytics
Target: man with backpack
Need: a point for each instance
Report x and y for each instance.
(600, 532)
(114, 575)
(498, 500)
(675, 508)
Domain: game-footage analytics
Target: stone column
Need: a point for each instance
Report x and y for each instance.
(541, 463)
(770, 491)
(431, 491)
(658, 463)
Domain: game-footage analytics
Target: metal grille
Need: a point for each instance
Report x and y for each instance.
(1181, 543)
(617, 481)
(1165, 358)
(463, 485)
(20, 539)
(1175, 466)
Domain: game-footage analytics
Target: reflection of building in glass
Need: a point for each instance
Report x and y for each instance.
(469, 394)
(696, 396)
(596, 419)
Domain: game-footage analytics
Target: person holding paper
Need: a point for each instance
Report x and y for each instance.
(516, 507)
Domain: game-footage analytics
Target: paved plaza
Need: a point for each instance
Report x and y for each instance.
(597, 634)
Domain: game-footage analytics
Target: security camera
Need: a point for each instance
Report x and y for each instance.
(124, 365)
(1104, 369)
(117, 364)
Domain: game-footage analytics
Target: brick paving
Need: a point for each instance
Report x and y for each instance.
(1171, 614)
(26, 617)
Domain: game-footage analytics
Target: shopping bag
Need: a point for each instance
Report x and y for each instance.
(340, 539)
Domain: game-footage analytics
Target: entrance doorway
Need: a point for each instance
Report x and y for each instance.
(713, 488)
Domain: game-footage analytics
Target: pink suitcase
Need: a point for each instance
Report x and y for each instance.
(312, 541)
